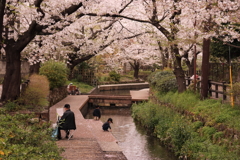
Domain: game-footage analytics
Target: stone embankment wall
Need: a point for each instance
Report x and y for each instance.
(57, 94)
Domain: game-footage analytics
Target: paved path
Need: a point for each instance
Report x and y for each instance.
(89, 141)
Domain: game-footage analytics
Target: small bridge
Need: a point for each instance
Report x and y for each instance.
(119, 100)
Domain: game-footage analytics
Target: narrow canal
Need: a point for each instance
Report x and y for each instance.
(132, 138)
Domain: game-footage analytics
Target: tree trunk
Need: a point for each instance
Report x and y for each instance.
(164, 55)
(12, 78)
(136, 72)
(178, 71)
(70, 67)
(2, 8)
(205, 68)
(135, 65)
(190, 67)
(75, 61)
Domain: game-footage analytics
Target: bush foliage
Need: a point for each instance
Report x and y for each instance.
(36, 94)
(21, 139)
(163, 81)
(56, 72)
(114, 76)
(236, 90)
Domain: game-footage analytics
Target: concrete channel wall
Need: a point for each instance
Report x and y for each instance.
(110, 100)
(132, 86)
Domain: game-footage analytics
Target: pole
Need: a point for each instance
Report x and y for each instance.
(230, 74)
(195, 77)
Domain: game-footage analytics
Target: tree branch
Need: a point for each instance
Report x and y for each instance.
(231, 45)
(115, 16)
(37, 4)
(71, 9)
(125, 7)
(154, 14)
(35, 28)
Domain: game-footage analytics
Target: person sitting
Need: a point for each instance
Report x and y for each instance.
(106, 126)
(67, 122)
(69, 88)
(77, 91)
(96, 113)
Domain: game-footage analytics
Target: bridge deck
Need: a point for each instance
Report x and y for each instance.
(140, 95)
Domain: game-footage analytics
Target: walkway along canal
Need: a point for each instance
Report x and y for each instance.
(91, 143)
(132, 138)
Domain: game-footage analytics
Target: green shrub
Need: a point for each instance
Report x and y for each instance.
(35, 95)
(179, 132)
(163, 81)
(196, 125)
(11, 106)
(147, 114)
(223, 117)
(23, 140)
(235, 91)
(218, 135)
(56, 72)
(114, 76)
(208, 131)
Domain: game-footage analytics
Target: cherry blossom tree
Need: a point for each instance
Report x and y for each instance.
(212, 19)
(178, 19)
(78, 42)
(183, 23)
(20, 22)
(138, 51)
(163, 15)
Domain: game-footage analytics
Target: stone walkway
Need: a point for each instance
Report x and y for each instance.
(89, 142)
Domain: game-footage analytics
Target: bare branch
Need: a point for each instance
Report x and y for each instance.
(185, 55)
(125, 7)
(37, 4)
(232, 45)
(71, 9)
(115, 16)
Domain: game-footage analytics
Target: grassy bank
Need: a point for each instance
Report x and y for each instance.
(192, 128)
(83, 87)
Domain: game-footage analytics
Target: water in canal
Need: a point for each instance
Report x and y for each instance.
(132, 138)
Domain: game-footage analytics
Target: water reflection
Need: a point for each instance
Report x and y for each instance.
(133, 140)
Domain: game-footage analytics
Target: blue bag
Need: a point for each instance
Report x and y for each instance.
(55, 133)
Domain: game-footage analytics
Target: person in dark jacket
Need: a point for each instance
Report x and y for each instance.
(96, 113)
(106, 126)
(67, 122)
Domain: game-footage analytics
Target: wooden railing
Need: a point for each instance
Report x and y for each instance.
(219, 89)
(215, 89)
